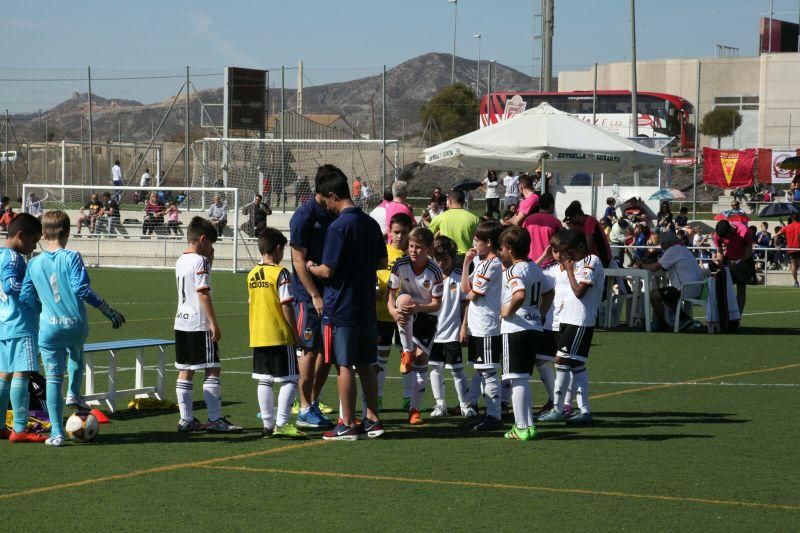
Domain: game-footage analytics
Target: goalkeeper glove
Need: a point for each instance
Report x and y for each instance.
(112, 314)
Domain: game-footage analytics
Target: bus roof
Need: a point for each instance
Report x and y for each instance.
(671, 97)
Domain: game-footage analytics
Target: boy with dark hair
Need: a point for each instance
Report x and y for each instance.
(415, 297)
(57, 283)
(273, 335)
(682, 220)
(579, 290)
(399, 228)
(446, 350)
(482, 325)
(523, 288)
(17, 328)
(197, 332)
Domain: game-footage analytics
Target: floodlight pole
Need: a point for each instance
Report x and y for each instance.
(634, 104)
(185, 137)
(478, 71)
(455, 29)
(383, 132)
(91, 139)
(5, 157)
(696, 141)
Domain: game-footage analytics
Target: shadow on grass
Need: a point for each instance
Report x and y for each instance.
(169, 437)
(755, 331)
(131, 414)
(633, 420)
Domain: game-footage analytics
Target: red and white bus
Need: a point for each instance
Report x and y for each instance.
(660, 115)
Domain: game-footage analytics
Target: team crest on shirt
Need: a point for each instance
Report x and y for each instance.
(453, 286)
(307, 334)
(426, 284)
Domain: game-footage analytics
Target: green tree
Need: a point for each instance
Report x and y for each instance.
(721, 122)
(454, 110)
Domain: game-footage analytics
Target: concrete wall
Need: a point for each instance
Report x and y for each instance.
(774, 78)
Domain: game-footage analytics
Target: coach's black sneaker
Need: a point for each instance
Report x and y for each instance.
(267, 432)
(221, 425)
(189, 426)
(489, 423)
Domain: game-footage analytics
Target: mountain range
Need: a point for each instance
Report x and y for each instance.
(408, 86)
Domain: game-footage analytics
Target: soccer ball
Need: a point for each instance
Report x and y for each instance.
(82, 427)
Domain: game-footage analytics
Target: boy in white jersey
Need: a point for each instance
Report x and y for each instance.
(197, 332)
(546, 349)
(482, 326)
(415, 296)
(579, 291)
(446, 350)
(521, 326)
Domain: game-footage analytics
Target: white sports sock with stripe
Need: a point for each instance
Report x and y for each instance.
(519, 395)
(408, 382)
(570, 390)
(212, 394)
(266, 403)
(460, 383)
(563, 376)
(475, 387)
(547, 376)
(407, 334)
(437, 384)
(184, 390)
(491, 392)
(418, 388)
(580, 376)
(285, 401)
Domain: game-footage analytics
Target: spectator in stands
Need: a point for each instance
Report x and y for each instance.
(618, 236)
(490, 187)
(681, 267)
(116, 178)
(440, 199)
(218, 214)
(398, 203)
(379, 213)
(682, 220)
(153, 215)
(763, 237)
(530, 200)
(302, 191)
(34, 206)
(6, 218)
(596, 238)
(735, 249)
(4, 201)
(456, 223)
(794, 188)
(640, 236)
(541, 226)
(664, 217)
(357, 191)
(779, 242)
(110, 213)
(90, 212)
(173, 218)
(144, 183)
(257, 213)
(792, 234)
(700, 240)
(610, 214)
(735, 209)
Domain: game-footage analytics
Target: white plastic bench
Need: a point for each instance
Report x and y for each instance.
(113, 348)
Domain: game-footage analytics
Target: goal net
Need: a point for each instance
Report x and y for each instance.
(283, 171)
(136, 235)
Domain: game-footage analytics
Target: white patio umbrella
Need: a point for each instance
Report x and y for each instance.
(543, 135)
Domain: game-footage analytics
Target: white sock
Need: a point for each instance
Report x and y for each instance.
(184, 390)
(408, 381)
(285, 401)
(212, 394)
(437, 384)
(382, 363)
(491, 392)
(475, 387)
(570, 390)
(580, 376)
(561, 385)
(418, 388)
(407, 334)
(462, 390)
(266, 403)
(519, 396)
(547, 376)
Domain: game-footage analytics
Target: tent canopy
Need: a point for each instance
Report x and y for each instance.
(567, 143)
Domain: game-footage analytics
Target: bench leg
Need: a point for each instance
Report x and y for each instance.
(139, 368)
(88, 360)
(111, 401)
(160, 373)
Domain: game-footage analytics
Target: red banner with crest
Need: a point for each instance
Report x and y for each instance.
(729, 168)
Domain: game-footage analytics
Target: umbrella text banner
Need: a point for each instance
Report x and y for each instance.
(769, 166)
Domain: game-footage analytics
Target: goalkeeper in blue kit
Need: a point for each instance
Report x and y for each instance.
(57, 283)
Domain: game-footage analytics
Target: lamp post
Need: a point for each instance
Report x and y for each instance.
(455, 29)
(478, 73)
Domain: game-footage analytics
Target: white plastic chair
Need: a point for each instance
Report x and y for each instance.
(699, 301)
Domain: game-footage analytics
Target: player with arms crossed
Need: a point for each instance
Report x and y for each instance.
(524, 286)
(579, 291)
(415, 297)
(446, 351)
(399, 228)
(57, 282)
(273, 336)
(18, 328)
(482, 325)
(197, 332)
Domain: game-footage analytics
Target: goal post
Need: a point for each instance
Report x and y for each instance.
(123, 239)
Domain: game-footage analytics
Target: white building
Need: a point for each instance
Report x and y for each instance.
(764, 89)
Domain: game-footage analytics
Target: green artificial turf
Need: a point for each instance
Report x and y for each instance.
(693, 431)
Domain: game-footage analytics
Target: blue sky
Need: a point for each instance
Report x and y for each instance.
(337, 40)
